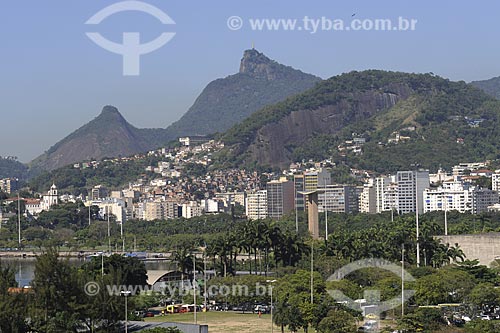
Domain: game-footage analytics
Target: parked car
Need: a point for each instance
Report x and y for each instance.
(262, 308)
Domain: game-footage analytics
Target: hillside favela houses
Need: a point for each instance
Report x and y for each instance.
(168, 191)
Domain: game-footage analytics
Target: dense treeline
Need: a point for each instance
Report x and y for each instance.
(60, 300)
(108, 173)
(13, 169)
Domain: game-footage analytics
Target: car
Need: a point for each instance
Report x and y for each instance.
(238, 308)
(369, 326)
(485, 317)
(262, 308)
(371, 316)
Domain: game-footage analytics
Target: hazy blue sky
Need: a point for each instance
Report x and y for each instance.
(54, 79)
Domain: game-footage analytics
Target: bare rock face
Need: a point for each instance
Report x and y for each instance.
(258, 65)
(271, 142)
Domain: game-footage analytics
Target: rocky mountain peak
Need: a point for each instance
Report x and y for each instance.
(110, 110)
(257, 65)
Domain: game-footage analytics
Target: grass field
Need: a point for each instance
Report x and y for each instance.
(224, 322)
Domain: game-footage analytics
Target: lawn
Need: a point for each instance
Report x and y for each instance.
(224, 322)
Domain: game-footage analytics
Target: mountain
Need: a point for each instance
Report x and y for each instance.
(11, 168)
(225, 102)
(491, 86)
(441, 122)
(108, 135)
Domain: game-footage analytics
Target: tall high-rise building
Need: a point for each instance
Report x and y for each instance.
(482, 198)
(386, 193)
(316, 178)
(368, 198)
(298, 182)
(411, 186)
(338, 199)
(309, 181)
(280, 198)
(256, 205)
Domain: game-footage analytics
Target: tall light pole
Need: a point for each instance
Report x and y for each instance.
(416, 217)
(272, 322)
(312, 269)
(194, 288)
(402, 280)
(126, 293)
(296, 211)
(109, 230)
(205, 277)
(446, 215)
(325, 207)
(19, 219)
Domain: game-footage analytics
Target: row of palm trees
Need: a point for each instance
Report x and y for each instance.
(260, 244)
(387, 240)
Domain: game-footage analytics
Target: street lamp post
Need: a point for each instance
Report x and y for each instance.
(272, 322)
(19, 219)
(126, 293)
(445, 215)
(194, 289)
(416, 218)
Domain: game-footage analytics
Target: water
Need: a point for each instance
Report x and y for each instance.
(25, 268)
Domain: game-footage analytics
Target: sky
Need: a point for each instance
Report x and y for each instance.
(54, 78)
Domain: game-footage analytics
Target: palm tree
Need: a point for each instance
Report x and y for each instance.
(183, 258)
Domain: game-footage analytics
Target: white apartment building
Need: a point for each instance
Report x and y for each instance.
(211, 205)
(368, 198)
(411, 186)
(191, 209)
(386, 193)
(453, 195)
(460, 169)
(495, 181)
(256, 205)
(114, 206)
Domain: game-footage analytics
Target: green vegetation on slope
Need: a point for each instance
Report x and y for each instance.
(12, 169)
(441, 112)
